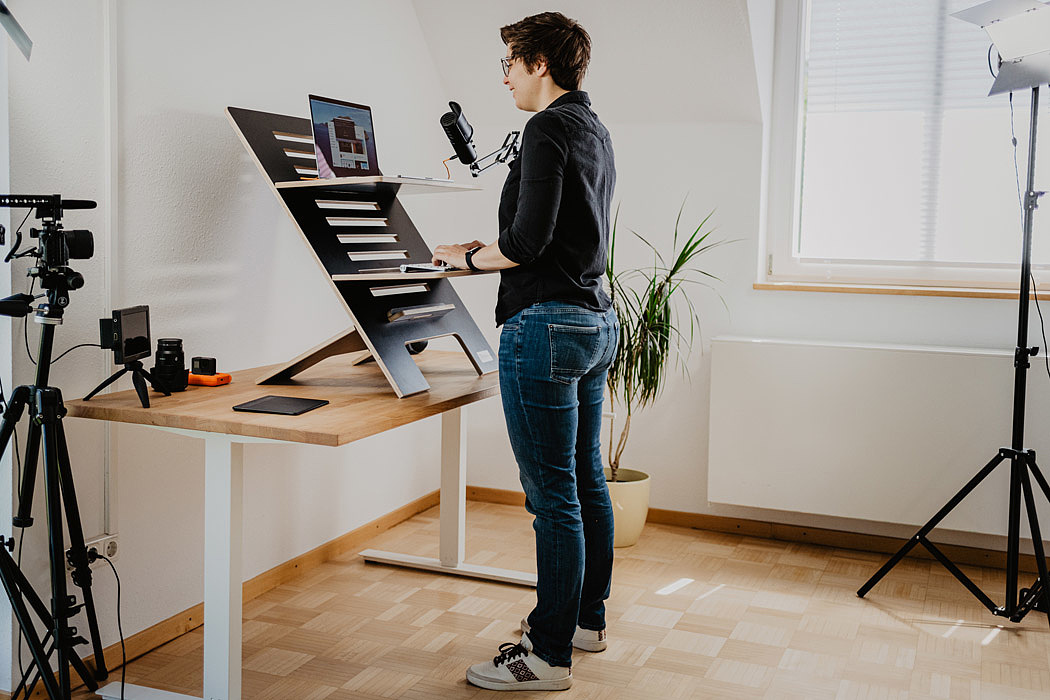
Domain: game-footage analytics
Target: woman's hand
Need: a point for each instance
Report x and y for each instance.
(455, 255)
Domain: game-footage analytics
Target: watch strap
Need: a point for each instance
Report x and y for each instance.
(470, 259)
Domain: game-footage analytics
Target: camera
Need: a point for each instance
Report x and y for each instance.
(56, 246)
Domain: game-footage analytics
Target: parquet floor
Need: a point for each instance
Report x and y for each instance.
(693, 614)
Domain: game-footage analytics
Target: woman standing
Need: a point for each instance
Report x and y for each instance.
(558, 340)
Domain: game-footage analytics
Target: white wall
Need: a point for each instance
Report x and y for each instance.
(664, 152)
(199, 237)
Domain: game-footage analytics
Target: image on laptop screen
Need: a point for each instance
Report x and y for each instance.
(344, 141)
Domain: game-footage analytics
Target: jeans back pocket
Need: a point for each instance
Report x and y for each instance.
(574, 350)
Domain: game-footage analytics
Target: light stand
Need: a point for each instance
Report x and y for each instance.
(1020, 70)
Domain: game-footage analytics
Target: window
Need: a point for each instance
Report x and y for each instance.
(889, 163)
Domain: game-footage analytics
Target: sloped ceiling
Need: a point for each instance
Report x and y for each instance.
(652, 62)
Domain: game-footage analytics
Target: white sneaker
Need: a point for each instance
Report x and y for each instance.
(587, 640)
(516, 669)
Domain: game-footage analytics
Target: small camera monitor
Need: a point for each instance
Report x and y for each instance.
(127, 334)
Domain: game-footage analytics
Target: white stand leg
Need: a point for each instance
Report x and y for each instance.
(453, 488)
(223, 490)
(453, 516)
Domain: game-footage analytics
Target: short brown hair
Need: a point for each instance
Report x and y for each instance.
(555, 39)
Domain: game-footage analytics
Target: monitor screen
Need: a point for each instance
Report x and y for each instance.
(132, 330)
(344, 141)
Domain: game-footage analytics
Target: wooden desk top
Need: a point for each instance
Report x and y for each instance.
(361, 401)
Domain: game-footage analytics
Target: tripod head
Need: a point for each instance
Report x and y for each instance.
(55, 247)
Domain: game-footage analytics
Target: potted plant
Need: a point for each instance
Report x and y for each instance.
(649, 302)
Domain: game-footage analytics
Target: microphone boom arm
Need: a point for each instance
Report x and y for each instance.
(507, 152)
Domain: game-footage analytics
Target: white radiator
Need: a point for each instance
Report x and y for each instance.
(880, 433)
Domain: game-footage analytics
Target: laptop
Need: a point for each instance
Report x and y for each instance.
(344, 140)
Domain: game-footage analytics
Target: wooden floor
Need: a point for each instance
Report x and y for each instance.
(693, 614)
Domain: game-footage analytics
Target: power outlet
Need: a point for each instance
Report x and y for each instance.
(105, 545)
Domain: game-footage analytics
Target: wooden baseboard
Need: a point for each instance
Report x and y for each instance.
(179, 624)
(841, 539)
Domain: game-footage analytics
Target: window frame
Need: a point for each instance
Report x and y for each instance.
(780, 262)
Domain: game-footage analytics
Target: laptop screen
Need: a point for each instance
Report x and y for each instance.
(344, 141)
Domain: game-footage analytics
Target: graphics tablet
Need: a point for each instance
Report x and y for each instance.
(282, 405)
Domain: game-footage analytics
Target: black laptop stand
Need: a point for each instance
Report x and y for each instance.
(361, 235)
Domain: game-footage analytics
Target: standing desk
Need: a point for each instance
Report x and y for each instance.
(361, 404)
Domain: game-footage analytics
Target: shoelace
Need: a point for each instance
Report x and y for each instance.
(507, 651)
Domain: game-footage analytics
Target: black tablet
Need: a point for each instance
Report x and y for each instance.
(283, 405)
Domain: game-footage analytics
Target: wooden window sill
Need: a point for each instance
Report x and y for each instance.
(972, 292)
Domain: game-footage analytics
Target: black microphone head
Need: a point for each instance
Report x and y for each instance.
(78, 204)
(459, 133)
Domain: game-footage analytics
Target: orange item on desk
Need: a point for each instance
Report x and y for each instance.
(217, 379)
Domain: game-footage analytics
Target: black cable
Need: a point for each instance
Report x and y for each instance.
(17, 234)
(120, 630)
(1042, 326)
(25, 325)
(990, 69)
(82, 345)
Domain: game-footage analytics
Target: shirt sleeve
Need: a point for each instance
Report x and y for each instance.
(544, 153)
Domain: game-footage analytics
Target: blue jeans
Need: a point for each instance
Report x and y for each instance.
(553, 359)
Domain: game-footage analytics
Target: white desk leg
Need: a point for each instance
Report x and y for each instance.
(453, 488)
(223, 490)
(453, 516)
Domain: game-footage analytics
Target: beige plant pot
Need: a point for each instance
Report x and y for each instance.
(630, 502)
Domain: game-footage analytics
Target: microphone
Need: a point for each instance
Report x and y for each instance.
(78, 204)
(459, 133)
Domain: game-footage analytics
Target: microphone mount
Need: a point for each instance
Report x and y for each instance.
(504, 154)
(461, 135)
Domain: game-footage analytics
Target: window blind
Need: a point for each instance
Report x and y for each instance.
(893, 97)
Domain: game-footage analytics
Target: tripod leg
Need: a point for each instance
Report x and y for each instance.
(24, 518)
(15, 408)
(1040, 479)
(12, 578)
(59, 595)
(77, 549)
(1037, 539)
(929, 526)
(140, 388)
(1018, 467)
(103, 385)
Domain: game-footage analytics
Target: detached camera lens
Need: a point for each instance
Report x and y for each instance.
(171, 365)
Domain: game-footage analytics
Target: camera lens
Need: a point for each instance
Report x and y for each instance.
(80, 243)
(170, 368)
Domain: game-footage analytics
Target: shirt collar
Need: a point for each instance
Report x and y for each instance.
(571, 96)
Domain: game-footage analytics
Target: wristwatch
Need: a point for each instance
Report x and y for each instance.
(470, 259)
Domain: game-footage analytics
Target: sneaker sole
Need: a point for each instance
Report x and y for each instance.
(558, 684)
(580, 644)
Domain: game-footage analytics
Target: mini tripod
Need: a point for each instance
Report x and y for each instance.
(139, 376)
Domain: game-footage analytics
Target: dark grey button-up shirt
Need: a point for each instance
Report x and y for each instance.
(554, 210)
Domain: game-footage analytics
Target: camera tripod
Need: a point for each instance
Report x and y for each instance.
(1023, 467)
(46, 411)
(139, 376)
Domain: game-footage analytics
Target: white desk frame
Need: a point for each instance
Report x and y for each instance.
(223, 551)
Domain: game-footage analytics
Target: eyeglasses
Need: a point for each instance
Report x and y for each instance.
(505, 62)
